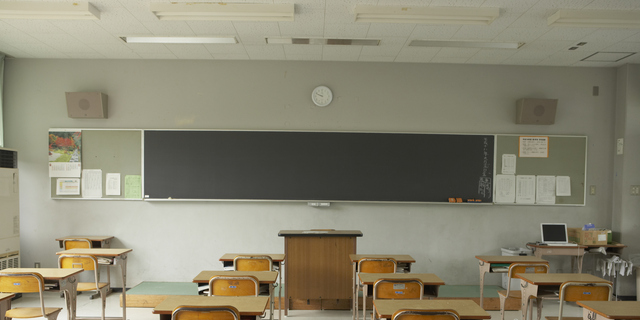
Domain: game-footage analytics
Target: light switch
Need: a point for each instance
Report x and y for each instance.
(620, 146)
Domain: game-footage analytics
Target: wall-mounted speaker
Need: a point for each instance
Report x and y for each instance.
(87, 105)
(536, 111)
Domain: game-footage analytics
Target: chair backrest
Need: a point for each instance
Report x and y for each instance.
(377, 265)
(81, 261)
(234, 286)
(205, 313)
(398, 289)
(76, 243)
(24, 282)
(252, 263)
(516, 268)
(407, 314)
(584, 291)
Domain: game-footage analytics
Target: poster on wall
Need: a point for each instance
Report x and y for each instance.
(65, 154)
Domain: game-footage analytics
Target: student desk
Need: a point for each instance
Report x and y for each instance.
(5, 303)
(535, 283)
(467, 309)
(118, 257)
(276, 258)
(65, 279)
(609, 310)
(404, 262)
(249, 307)
(96, 241)
(496, 264)
(430, 281)
(264, 277)
(575, 252)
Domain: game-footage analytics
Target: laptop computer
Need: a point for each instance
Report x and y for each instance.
(555, 234)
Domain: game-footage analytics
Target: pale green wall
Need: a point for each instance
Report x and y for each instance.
(174, 241)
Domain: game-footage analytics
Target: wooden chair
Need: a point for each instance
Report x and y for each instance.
(205, 313)
(26, 282)
(234, 286)
(407, 314)
(88, 263)
(514, 269)
(76, 243)
(374, 265)
(252, 263)
(582, 291)
(397, 289)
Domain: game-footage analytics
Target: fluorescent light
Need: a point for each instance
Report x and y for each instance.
(465, 44)
(48, 10)
(188, 40)
(432, 15)
(595, 19)
(222, 11)
(324, 41)
(608, 56)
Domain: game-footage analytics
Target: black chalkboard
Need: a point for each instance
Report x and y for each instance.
(325, 166)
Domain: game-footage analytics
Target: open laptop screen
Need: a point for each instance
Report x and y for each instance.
(554, 233)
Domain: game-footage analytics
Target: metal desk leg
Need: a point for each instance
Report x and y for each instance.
(272, 303)
(69, 289)
(354, 292)
(365, 289)
(483, 270)
(122, 262)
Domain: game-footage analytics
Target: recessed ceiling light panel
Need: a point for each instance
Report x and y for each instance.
(595, 19)
(430, 15)
(182, 40)
(222, 11)
(324, 41)
(465, 44)
(608, 56)
(48, 10)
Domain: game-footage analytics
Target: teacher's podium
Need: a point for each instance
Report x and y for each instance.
(318, 272)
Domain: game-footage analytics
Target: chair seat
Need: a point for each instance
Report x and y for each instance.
(90, 286)
(30, 312)
(564, 318)
(512, 294)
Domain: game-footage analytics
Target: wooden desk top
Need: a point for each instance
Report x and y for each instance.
(557, 278)
(544, 246)
(247, 306)
(47, 273)
(320, 233)
(275, 257)
(467, 309)
(510, 259)
(404, 258)
(614, 309)
(92, 238)
(428, 279)
(98, 252)
(4, 296)
(263, 276)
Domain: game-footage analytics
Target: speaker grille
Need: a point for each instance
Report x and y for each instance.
(8, 158)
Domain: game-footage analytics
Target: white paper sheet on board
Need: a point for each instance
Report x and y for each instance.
(508, 164)
(563, 186)
(112, 184)
(526, 189)
(92, 183)
(546, 189)
(534, 147)
(65, 169)
(67, 186)
(505, 188)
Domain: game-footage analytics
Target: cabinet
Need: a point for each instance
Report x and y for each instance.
(9, 210)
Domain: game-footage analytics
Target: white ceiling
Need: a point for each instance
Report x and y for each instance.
(519, 21)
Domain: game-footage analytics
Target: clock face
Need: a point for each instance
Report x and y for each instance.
(322, 96)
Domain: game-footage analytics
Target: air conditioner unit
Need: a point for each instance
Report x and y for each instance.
(9, 210)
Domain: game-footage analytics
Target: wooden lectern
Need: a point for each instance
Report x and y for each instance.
(318, 270)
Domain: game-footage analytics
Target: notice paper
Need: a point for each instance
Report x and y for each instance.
(505, 188)
(563, 186)
(133, 187)
(92, 183)
(508, 164)
(534, 147)
(546, 189)
(65, 169)
(112, 184)
(67, 186)
(526, 189)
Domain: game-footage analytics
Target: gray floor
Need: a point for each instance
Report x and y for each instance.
(87, 307)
